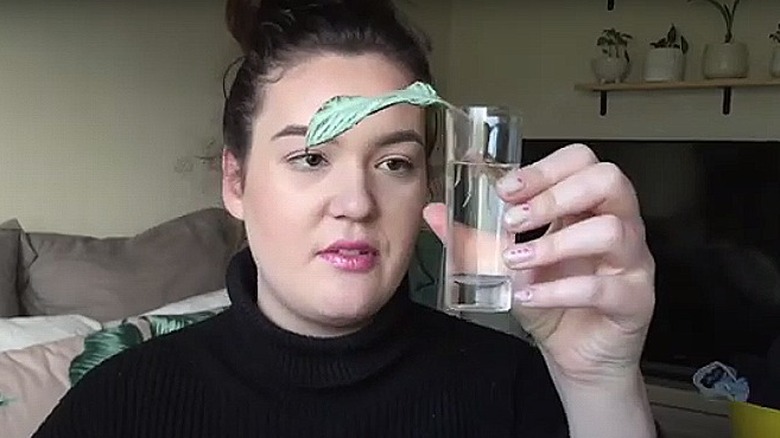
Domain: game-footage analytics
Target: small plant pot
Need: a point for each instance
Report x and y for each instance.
(774, 64)
(610, 70)
(664, 64)
(726, 60)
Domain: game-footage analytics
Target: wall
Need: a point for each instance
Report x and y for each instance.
(103, 106)
(530, 53)
(434, 17)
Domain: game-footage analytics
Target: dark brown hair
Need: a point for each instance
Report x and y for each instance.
(277, 33)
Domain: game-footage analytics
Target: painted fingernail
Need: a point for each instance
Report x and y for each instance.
(517, 215)
(511, 184)
(519, 255)
(524, 295)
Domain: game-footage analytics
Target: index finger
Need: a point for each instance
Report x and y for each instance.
(529, 181)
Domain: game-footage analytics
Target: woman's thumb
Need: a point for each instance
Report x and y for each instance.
(435, 214)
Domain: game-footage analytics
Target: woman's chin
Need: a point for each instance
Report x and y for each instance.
(352, 310)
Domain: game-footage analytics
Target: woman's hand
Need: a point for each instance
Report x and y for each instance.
(584, 290)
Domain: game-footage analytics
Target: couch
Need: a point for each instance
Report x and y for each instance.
(68, 302)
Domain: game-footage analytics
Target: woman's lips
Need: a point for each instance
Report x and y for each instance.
(351, 256)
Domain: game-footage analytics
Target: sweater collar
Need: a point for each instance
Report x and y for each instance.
(269, 353)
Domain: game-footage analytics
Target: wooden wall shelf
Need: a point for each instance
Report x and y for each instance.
(725, 84)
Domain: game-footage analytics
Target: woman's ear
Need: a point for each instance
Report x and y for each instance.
(232, 184)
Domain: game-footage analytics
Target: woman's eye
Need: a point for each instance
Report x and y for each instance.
(397, 165)
(308, 160)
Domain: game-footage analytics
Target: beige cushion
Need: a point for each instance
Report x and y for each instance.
(112, 278)
(9, 263)
(32, 381)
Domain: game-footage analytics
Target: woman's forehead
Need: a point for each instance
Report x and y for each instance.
(302, 89)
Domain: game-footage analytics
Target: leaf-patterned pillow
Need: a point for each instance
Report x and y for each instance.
(105, 343)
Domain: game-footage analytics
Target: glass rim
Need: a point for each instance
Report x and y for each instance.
(501, 109)
(478, 112)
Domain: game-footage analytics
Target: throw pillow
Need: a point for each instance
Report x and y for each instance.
(199, 303)
(112, 278)
(112, 340)
(9, 262)
(32, 381)
(25, 331)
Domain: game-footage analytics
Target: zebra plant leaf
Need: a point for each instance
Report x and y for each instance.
(341, 113)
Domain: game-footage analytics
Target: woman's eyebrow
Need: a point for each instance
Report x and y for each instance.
(291, 131)
(402, 136)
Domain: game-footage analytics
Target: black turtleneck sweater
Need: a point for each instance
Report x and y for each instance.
(413, 372)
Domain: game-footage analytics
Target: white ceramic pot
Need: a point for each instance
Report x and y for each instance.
(609, 70)
(726, 60)
(664, 64)
(774, 65)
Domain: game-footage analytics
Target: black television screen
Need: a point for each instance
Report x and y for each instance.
(712, 215)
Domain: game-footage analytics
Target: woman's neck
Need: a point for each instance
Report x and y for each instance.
(287, 319)
(269, 350)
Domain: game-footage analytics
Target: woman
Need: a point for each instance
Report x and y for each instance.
(321, 338)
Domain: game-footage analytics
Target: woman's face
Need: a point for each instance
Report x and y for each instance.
(331, 230)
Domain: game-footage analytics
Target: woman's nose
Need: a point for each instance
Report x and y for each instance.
(352, 197)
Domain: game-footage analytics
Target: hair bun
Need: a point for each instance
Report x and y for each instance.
(242, 21)
(246, 19)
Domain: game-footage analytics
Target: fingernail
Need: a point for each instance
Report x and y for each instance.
(519, 255)
(524, 295)
(510, 184)
(517, 215)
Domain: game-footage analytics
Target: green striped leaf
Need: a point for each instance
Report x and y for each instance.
(341, 113)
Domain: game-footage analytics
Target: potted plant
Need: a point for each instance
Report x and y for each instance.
(774, 66)
(665, 62)
(614, 64)
(729, 59)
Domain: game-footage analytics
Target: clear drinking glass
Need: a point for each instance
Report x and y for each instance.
(483, 143)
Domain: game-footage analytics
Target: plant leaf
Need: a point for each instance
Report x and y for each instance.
(164, 324)
(720, 7)
(671, 36)
(734, 8)
(101, 345)
(729, 16)
(341, 113)
(684, 44)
